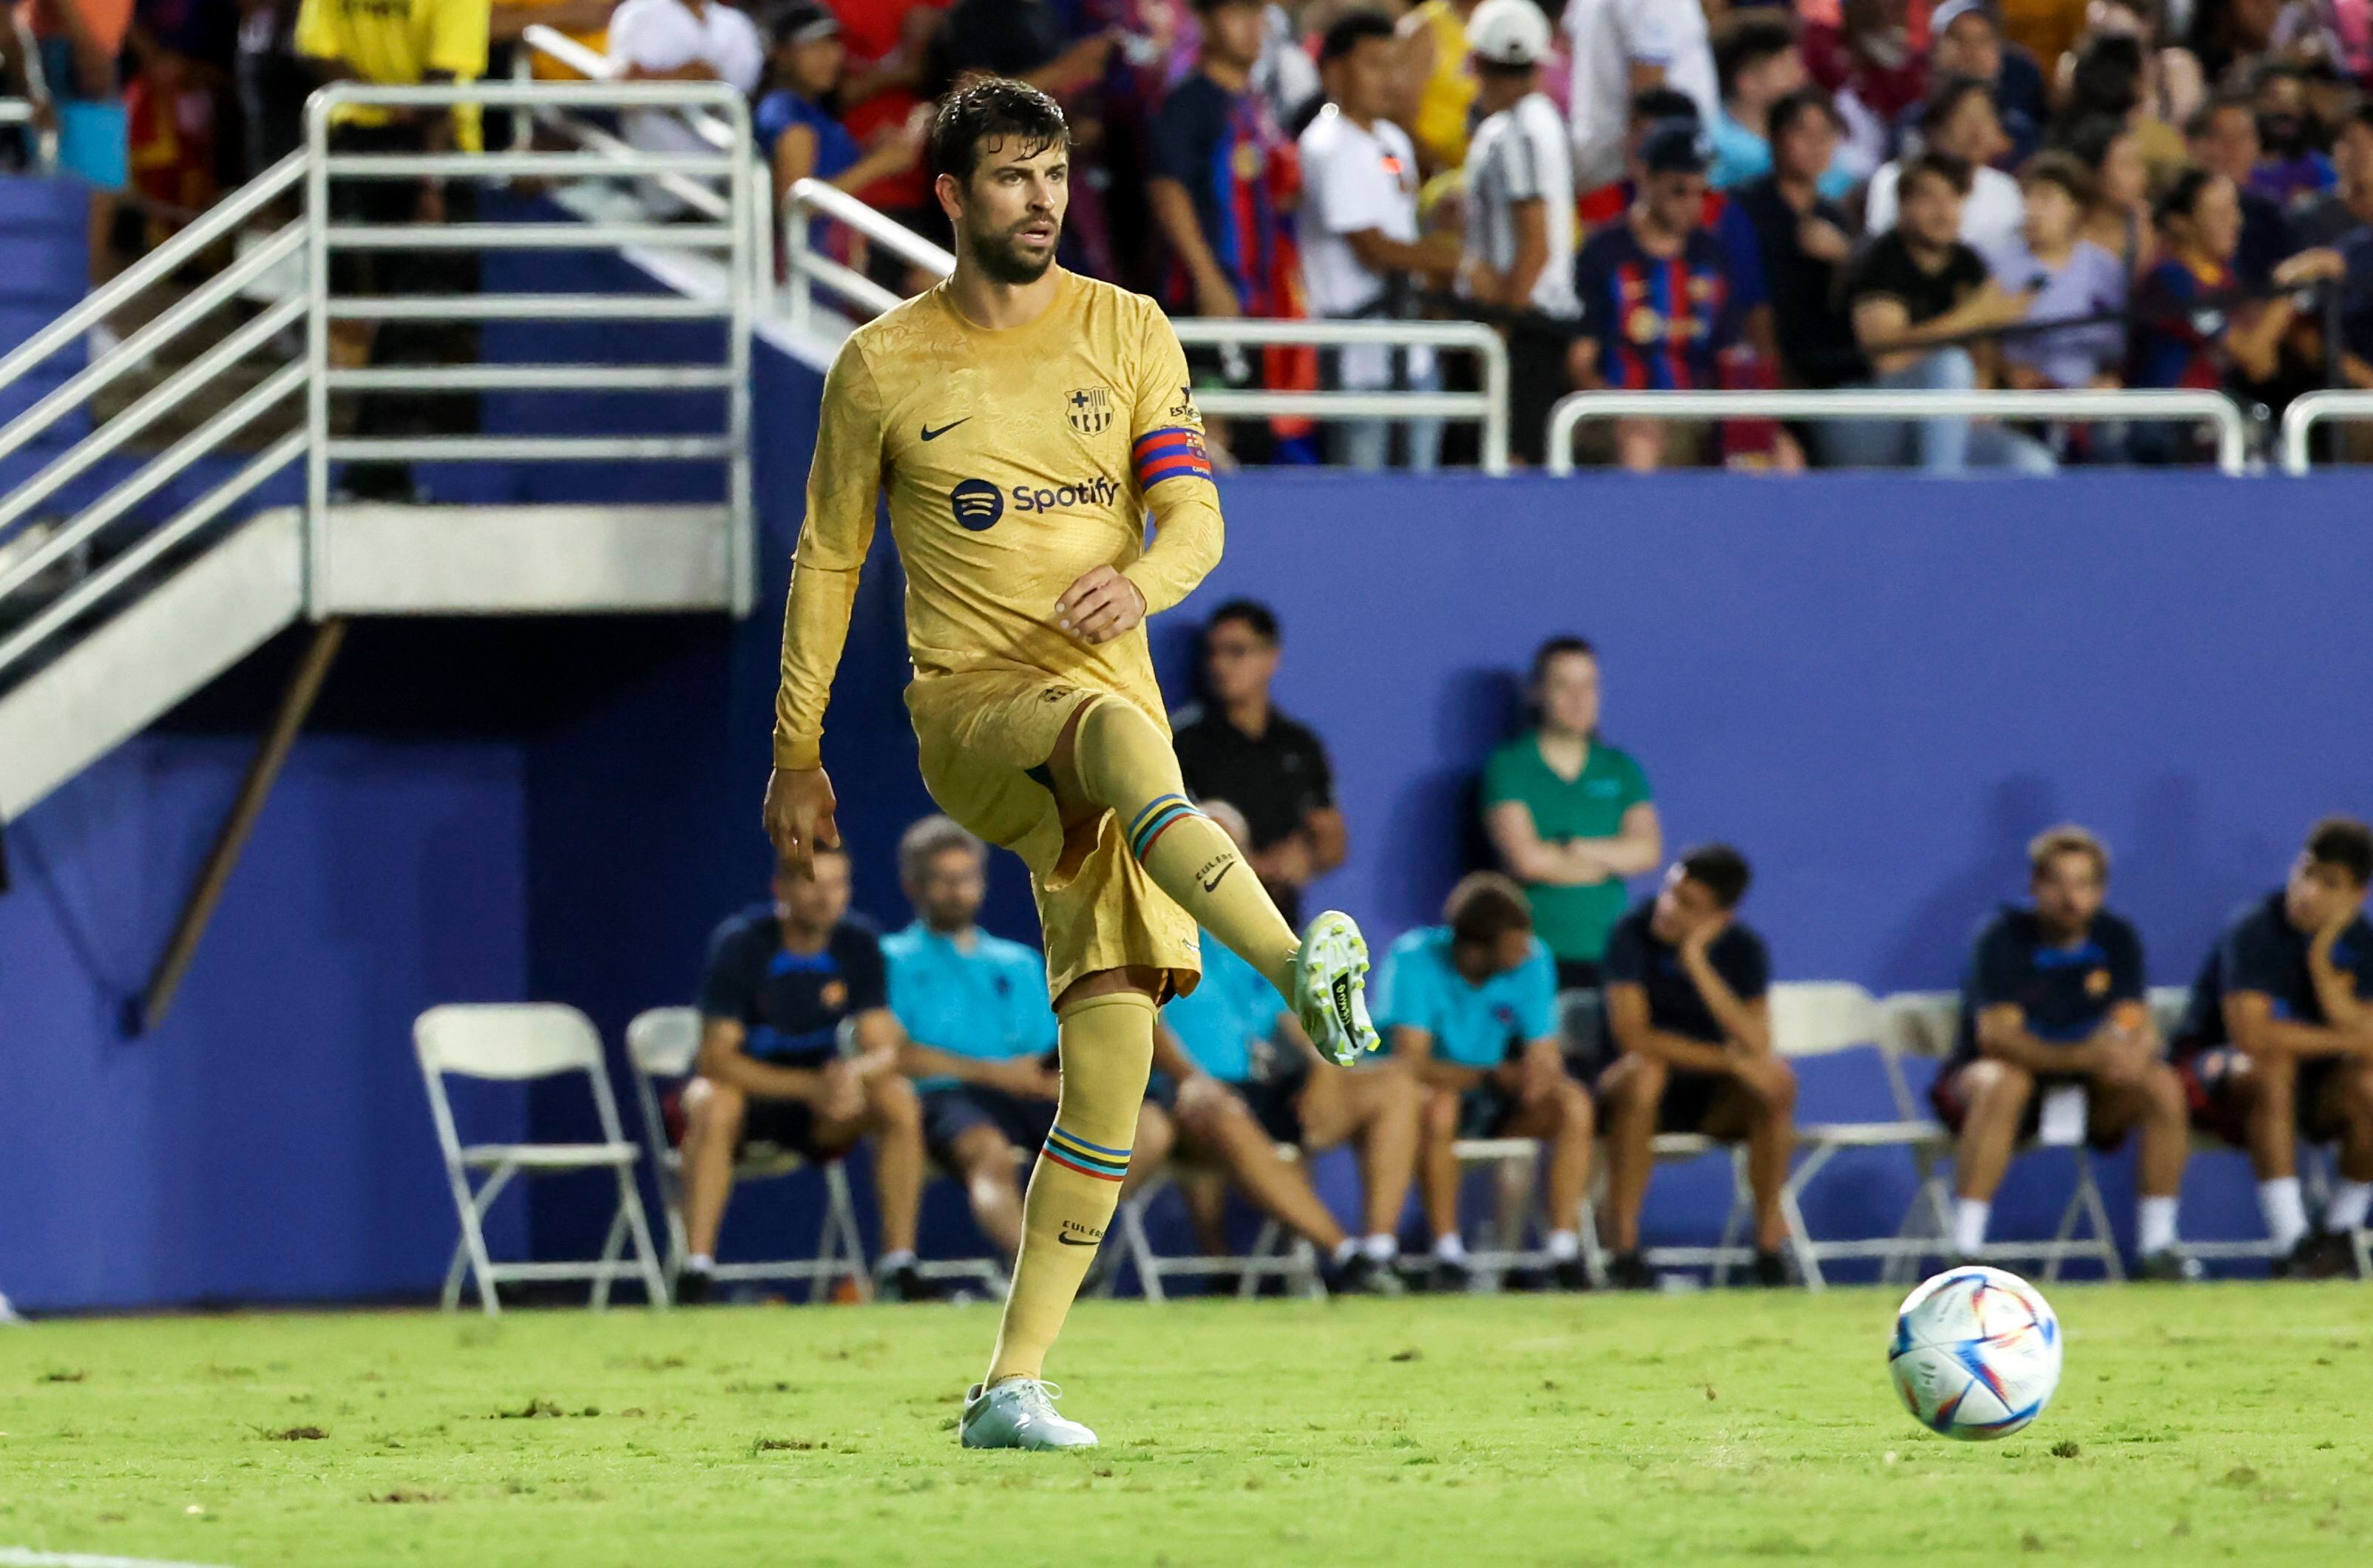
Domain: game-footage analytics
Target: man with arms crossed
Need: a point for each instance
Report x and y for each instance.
(2054, 998)
(1023, 421)
(2278, 1042)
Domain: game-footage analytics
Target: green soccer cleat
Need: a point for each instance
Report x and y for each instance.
(1019, 1413)
(1331, 989)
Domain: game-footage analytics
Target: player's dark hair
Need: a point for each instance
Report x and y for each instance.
(1748, 42)
(2344, 842)
(1798, 104)
(1350, 30)
(2066, 838)
(1484, 907)
(1953, 171)
(982, 118)
(1719, 870)
(1251, 614)
(1650, 105)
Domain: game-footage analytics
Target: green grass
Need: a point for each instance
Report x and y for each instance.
(2204, 1423)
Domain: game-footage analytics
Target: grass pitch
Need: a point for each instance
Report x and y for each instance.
(2213, 1421)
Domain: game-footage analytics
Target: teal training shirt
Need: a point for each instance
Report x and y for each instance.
(1574, 922)
(1472, 1026)
(1230, 1012)
(989, 1002)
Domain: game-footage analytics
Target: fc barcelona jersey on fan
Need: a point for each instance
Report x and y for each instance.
(790, 1006)
(1658, 320)
(1014, 461)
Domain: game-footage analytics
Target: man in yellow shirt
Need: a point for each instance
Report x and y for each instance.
(1023, 421)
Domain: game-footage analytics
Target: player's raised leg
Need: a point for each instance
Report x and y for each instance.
(1107, 1050)
(1112, 757)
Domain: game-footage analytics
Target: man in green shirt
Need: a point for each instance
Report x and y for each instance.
(1570, 816)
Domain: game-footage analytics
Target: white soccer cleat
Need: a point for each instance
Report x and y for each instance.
(1330, 988)
(1019, 1413)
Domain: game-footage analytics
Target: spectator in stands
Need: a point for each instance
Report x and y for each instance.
(1864, 60)
(1570, 816)
(1025, 40)
(1471, 1006)
(2277, 1041)
(783, 981)
(1657, 305)
(1361, 258)
(1807, 241)
(2173, 88)
(2330, 218)
(2119, 219)
(2053, 1002)
(1236, 746)
(2194, 323)
(1243, 1079)
(889, 44)
(1434, 68)
(430, 41)
(271, 84)
(1958, 123)
(2068, 278)
(1622, 48)
(1757, 65)
(79, 45)
(1686, 986)
(1520, 211)
(1964, 39)
(979, 1036)
(798, 133)
(1223, 181)
(1917, 290)
(2292, 170)
(2111, 80)
(681, 40)
(2224, 139)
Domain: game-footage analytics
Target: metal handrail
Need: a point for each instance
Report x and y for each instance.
(2311, 409)
(2139, 403)
(812, 198)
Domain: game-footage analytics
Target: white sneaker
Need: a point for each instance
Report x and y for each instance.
(1330, 988)
(1019, 1413)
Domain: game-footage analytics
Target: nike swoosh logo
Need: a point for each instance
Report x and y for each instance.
(1213, 885)
(1068, 1239)
(931, 434)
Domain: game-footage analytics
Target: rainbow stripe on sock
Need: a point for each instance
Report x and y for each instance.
(1156, 819)
(1089, 1159)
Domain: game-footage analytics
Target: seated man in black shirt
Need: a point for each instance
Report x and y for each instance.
(2054, 998)
(1236, 747)
(1685, 982)
(1917, 291)
(1806, 240)
(2278, 1041)
(782, 981)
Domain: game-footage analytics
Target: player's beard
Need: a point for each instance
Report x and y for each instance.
(996, 255)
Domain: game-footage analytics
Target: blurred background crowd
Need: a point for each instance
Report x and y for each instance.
(1647, 194)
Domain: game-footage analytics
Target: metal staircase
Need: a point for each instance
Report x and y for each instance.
(129, 578)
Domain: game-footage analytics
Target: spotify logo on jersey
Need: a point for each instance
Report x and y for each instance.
(977, 504)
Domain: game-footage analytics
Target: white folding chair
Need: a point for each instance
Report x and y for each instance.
(1273, 1255)
(664, 1044)
(514, 1041)
(1928, 1022)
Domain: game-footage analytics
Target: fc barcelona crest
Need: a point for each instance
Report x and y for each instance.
(1089, 410)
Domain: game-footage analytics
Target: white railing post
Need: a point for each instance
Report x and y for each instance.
(316, 553)
(2308, 411)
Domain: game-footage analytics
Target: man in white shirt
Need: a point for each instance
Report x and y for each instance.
(1624, 47)
(681, 40)
(1520, 215)
(1358, 229)
(1959, 121)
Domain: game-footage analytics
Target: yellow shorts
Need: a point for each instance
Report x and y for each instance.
(985, 739)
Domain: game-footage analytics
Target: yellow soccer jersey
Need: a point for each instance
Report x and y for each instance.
(398, 42)
(1015, 460)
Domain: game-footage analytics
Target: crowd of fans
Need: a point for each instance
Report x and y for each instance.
(936, 1044)
(1644, 194)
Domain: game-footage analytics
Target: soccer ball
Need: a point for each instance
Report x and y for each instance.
(1976, 1352)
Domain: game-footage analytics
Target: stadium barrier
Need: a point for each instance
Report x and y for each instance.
(2311, 409)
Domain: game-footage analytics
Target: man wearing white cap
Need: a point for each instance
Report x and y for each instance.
(1520, 216)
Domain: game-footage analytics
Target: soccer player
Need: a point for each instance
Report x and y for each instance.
(1024, 421)
(980, 1043)
(784, 981)
(1471, 1004)
(2054, 997)
(1686, 986)
(2278, 1041)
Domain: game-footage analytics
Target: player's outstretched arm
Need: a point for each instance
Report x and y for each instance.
(844, 483)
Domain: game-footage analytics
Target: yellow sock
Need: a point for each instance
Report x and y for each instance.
(1127, 766)
(1107, 1050)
